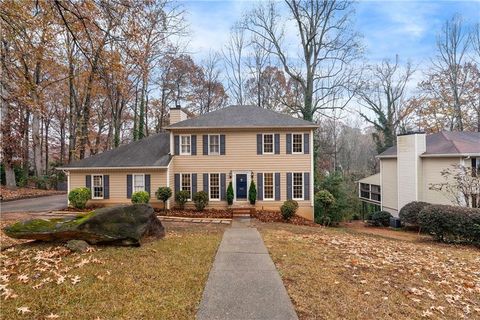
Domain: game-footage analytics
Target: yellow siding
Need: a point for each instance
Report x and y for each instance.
(432, 168)
(388, 169)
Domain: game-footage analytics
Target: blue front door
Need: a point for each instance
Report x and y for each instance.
(241, 186)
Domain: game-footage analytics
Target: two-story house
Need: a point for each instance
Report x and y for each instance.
(237, 144)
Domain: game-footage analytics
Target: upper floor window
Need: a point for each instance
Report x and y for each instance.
(185, 145)
(297, 143)
(138, 182)
(97, 189)
(297, 186)
(268, 186)
(214, 186)
(214, 144)
(186, 183)
(268, 143)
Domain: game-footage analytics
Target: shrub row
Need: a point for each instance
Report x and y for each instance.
(410, 212)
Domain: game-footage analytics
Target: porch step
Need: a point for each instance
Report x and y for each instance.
(243, 211)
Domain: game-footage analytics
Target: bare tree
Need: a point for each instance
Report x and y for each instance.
(233, 56)
(257, 61)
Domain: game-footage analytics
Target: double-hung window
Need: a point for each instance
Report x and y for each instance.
(297, 143)
(97, 188)
(186, 183)
(268, 186)
(185, 144)
(214, 144)
(297, 185)
(214, 186)
(268, 143)
(138, 182)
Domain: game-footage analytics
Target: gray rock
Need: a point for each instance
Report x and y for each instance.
(77, 245)
(124, 225)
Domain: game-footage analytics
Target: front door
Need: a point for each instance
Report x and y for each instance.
(241, 186)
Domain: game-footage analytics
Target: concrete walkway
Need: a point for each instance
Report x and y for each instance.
(243, 282)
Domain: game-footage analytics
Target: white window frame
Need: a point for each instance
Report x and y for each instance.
(93, 187)
(210, 152)
(263, 143)
(303, 186)
(190, 144)
(273, 186)
(210, 187)
(181, 184)
(133, 181)
(301, 144)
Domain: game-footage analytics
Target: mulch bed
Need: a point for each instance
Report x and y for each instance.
(7, 194)
(276, 216)
(186, 213)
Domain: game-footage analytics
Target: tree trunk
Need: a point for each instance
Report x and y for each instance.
(37, 149)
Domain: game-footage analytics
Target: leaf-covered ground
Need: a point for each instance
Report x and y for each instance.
(163, 279)
(25, 193)
(344, 274)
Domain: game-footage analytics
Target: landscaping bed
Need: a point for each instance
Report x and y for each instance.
(25, 193)
(276, 216)
(190, 213)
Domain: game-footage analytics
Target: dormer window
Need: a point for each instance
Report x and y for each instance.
(214, 144)
(185, 144)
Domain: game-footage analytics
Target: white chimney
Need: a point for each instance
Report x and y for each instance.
(409, 166)
(177, 114)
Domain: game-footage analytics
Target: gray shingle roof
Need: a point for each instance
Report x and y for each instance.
(239, 116)
(446, 142)
(152, 151)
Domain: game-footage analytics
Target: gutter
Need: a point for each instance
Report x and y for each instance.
(243, 127)
(110, 168)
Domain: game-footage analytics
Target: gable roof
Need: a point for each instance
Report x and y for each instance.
(241, 116)
(152, 151)
(445, 143)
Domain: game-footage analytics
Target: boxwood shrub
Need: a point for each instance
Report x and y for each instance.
(140, 197)
(409, 213)
(451, 223)
(288, 209)
(200, 199)
(78, 197)
(380, 219)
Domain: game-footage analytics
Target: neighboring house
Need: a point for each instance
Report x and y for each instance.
(409, 169)
(237, 144)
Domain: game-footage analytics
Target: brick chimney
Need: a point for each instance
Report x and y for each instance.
(177, 114)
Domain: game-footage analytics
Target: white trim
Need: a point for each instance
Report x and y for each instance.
(115, 168)
(180, 145)
(172, 144)
(181, 184)
(450, 155)
(133, 181)
(210, 186)
(68, 187)
(241, 127)
(168, 185)
(263, 143)
(208, 145)
(381, 184)
(312, 175)
(234, 183)
(92, 190)
(301, 135)
(303, 186)
(263, 191)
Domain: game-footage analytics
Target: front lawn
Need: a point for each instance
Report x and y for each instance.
(160, 280)
(343, 274)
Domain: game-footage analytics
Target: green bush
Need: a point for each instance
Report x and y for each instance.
(410, 212)
(346, 198)
(252, 193)
(200, 199)
(230, 194)
(78, 197)
(451, 223)
(325, 212)
(288, 209)
(163, 194)
(181, 197)
(140, 197)
(380, 218)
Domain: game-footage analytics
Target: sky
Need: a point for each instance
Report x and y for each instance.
(406, 28)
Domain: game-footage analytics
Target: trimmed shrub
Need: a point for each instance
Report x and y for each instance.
(78, 197)
(230, 194)
(451, 223)
(163, 194)
(252, 193)
(181, 197)
(288, 209)
(200, 199)
(409, 213)
(140, 197)
(324, 212)
(380, 219)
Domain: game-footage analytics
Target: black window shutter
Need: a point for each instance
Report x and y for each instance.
(176, 145)
(277, 143)
(306, 186)
(289, 186)
(306, 143)
(106, 186)
(194, 183)
(289, 143)
(222, 144)
(88, 181)
(205, 144)
(223, 182)
(259, 186)
(259, 144)
(205, 183)
(277, 186)
(177, 182)
(147, 183)
(194, 145)
(129, 186)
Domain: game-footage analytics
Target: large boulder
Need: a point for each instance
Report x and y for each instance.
(124, 225)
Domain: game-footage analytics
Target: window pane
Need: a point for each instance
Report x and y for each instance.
(138, 182)
(214, 186)
(268, 185)
(297, 143)
(297, 185)
(268, 143)
(98, 186)
(214, 144)
(185, 144)
(186, 183)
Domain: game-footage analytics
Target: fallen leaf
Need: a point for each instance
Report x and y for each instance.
(23, 310)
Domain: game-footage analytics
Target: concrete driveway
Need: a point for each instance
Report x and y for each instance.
(41, 204)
